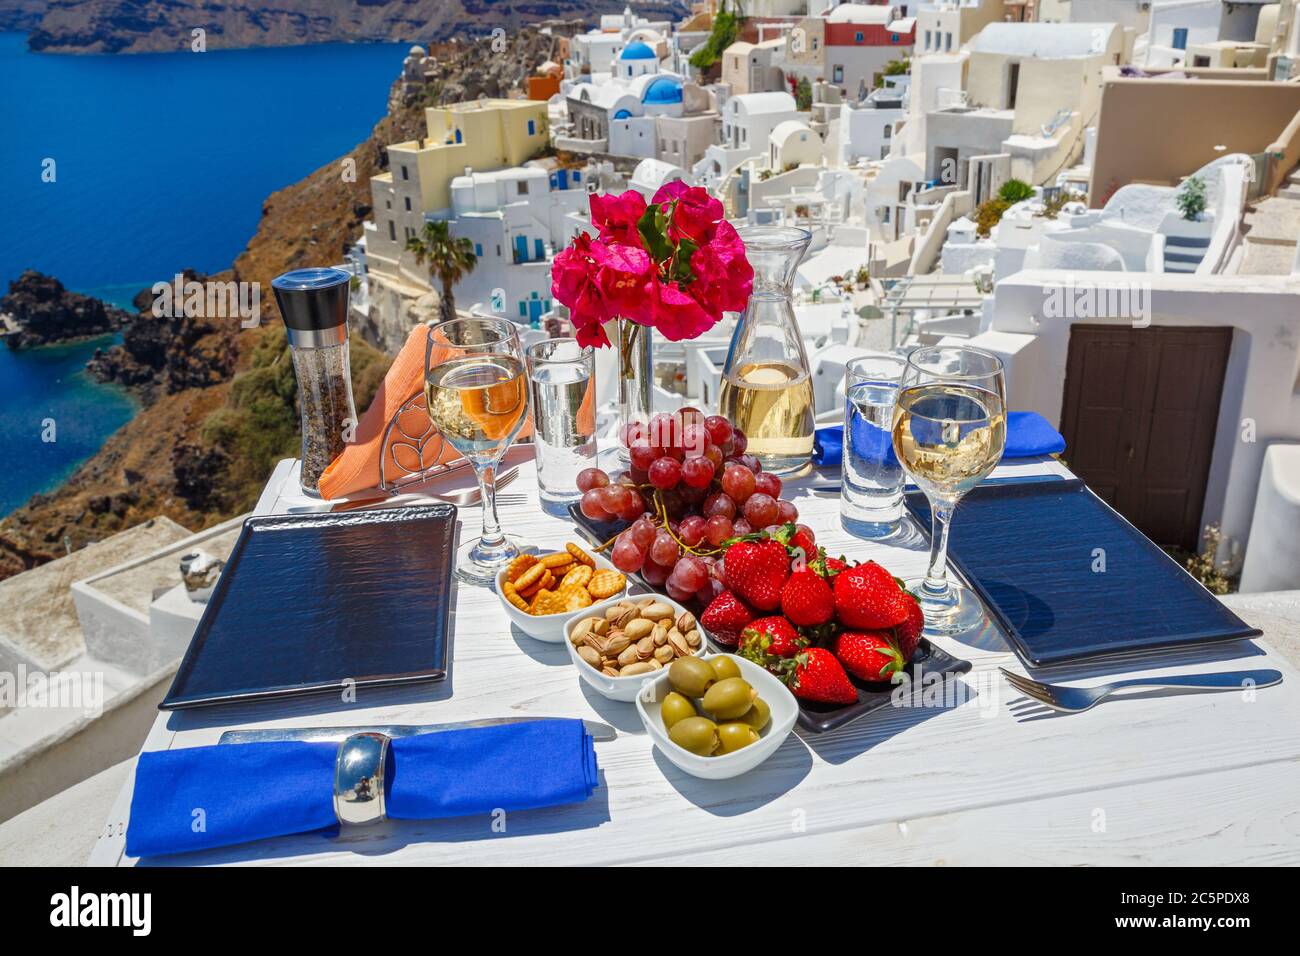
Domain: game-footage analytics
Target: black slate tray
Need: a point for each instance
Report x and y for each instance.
(1028, 550)
(310, 604)
(816, 718)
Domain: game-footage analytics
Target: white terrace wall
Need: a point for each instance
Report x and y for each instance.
(1260, 385)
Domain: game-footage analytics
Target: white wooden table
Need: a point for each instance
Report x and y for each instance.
(1180, 779)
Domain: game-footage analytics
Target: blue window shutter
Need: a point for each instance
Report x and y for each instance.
(532, 127)
(523, 309)
(539, 248)
(478, 248)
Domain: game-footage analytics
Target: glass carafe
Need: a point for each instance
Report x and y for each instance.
(766, 385)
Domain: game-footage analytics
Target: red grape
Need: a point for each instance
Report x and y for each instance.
(592, 507)
(626, 556)
(635, 506)
(691, 573)
(768, 484)
(690, 415)
(695, 439)
(752, 463)
(717, 529)
(761, 510)
(741, 526)
(664, 550)
(664, 431)
(738, 482)
(676, 591)
(720, 503)
(643, 532)
(786, 511)
(633, 434)
(642, 456)
(712, 588)
(692, 496)
(692, 530)
(590, 478)
(738, 442)
(697, 472)
(638, 476)
(655, 574)
(719, 429)
(714, 454)
(615, 498)
(665, 473)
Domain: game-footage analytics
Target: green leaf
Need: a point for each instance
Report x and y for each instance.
(681, 270)
(653, 228)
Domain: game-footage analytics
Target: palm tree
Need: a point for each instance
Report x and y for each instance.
(450, 259)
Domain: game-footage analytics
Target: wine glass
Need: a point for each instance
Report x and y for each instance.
(949, 432)
(476, 391)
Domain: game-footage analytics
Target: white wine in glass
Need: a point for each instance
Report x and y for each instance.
(772, 403)
(949, 431)
(476, 393)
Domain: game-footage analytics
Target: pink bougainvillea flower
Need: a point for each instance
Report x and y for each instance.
(574, 283)
(624, 272)
(729, 249)
(695, 214)
(677, 314)
(616, 216)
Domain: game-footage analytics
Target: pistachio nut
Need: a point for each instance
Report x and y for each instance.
(640, 667)
(592, 657)
(657, 611)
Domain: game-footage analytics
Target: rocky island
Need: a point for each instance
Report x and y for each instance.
(38, 310)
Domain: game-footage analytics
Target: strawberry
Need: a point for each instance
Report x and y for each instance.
(868, 655)
(772, 636)
(908, 634)
(803, 538)
(756, 570)
(868, 597)
(827, 566)
(725, 617)
(806, 599)
(818, 676)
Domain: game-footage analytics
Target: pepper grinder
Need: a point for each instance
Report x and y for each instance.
(314, 306)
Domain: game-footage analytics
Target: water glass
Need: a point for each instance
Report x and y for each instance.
(871, 501)
(563, 391)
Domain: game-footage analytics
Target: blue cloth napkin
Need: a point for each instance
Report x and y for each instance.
(202, 797)
(1028, 435)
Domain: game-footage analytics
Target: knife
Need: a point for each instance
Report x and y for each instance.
(595, 728)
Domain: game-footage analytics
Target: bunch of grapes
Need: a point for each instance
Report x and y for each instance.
(689, 488)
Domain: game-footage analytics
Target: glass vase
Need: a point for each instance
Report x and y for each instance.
(767, 387)
(635, 378)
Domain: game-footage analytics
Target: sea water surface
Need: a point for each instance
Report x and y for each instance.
(121, 170)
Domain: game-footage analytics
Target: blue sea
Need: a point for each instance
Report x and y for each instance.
(120, 171)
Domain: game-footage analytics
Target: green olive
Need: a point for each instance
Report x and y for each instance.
(699, 735)
(728, 699)
(736, 736)
(690, 676)
(675, 707)
(758, 715)
(724, 667)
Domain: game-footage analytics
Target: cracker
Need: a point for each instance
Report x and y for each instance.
(577, 576)
(531, 575)
(606, 583)
(547, 581)
(582, 557)
(512, 595)
(542, 601)
(559, 559)
(519, 565)
(573, 598)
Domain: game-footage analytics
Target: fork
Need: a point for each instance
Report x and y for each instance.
(1075, 700)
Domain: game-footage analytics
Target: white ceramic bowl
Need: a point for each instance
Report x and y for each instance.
(549, 627)
(784, 711)
(615, 688)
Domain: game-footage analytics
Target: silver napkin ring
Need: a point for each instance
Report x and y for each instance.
(359, 779)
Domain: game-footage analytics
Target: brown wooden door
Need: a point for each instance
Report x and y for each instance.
(1140, 411)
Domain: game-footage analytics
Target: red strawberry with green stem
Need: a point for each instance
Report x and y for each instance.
(908, 634)
(770, 637)
(819, 677)
(806, 599)
(756, 569)
(868, 655)
(725, 618)
(867, 597)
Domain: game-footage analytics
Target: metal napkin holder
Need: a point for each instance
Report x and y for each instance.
(359, 770)
(427, 444)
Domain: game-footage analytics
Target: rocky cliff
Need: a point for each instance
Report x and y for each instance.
(219, 400)
(39, 311)
(134, 26)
